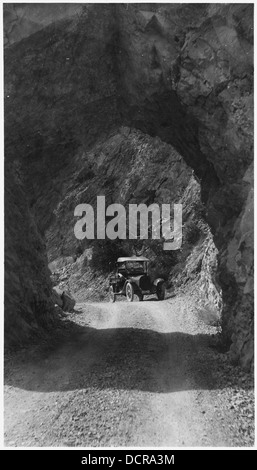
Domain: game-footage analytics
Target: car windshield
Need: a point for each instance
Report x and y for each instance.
(132, 266)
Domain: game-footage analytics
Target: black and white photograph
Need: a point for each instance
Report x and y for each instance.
(128, 228)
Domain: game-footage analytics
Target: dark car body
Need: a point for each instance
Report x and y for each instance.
(132, 277)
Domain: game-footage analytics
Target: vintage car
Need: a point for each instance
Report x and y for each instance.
(132, 277)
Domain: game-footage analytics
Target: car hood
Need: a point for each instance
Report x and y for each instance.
(137, 279)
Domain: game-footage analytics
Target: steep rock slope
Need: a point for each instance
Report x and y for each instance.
(179, 72)
(129, 167)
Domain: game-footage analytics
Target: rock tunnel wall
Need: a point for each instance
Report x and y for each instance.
(182, 72)
(186, 74)
(28, 306)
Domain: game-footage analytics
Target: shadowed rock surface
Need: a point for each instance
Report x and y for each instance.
(28, 303)
(145, 103)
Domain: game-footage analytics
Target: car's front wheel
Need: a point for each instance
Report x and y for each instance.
(112, 296)
(161, 292)
(129, 292)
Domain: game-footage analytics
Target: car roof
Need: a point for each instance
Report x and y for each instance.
(132, 258)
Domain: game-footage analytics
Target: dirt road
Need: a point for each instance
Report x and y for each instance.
(128, 374)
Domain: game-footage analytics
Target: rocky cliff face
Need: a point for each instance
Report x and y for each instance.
(127, 101)
(28, 305)
(193, 88)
